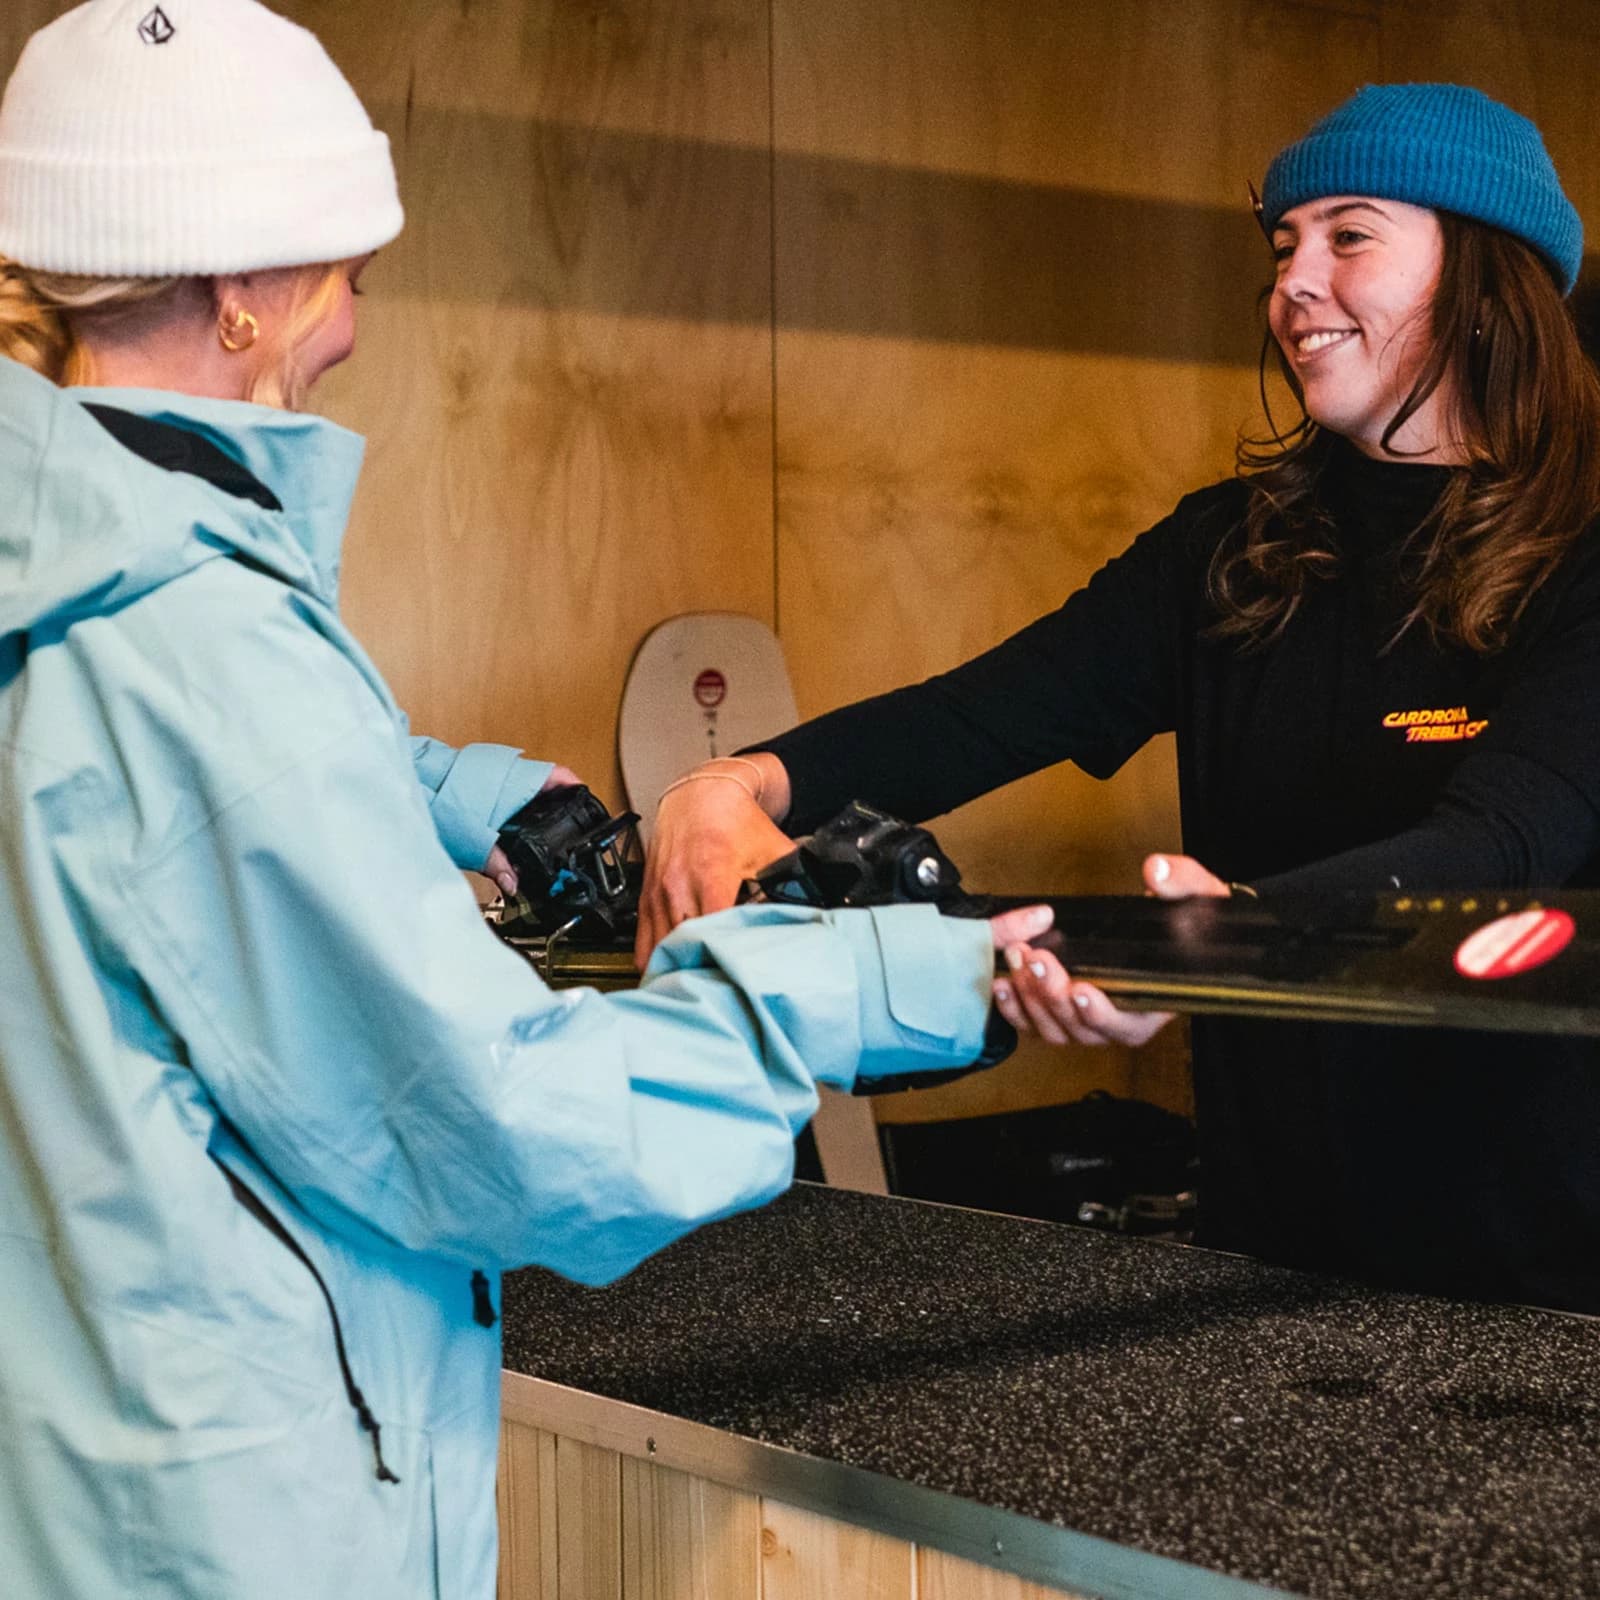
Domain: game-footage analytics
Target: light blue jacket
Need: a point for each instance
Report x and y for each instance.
(231, 943)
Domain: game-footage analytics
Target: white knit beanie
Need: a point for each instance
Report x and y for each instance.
(191, 136)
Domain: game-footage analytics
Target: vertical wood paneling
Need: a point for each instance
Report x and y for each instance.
(525, 1494)
(809, 1557)
(947, 1577)
(581, 1523)
(684, 1538)
(565, 367)
(588, 1512)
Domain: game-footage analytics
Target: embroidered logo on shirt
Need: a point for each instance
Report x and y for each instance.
(1438, 725)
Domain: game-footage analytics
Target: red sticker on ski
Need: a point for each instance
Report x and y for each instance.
(1518, 943)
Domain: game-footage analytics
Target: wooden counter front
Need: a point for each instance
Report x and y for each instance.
(605, 1501)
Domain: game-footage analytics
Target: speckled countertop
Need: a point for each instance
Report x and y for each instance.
(1305, 1434)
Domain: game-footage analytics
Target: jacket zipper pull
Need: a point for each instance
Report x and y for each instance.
(483, 1312)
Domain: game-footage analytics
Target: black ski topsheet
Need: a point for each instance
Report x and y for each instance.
(1524, 962)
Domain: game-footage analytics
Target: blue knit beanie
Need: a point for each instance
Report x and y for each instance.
(1438, 145)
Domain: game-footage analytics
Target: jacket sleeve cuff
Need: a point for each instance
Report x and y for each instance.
(925, 984)
(475, 790)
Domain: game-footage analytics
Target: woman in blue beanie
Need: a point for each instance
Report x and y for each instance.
(1379, 647)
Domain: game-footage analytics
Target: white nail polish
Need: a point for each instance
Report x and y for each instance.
(1036, 968)
(1161, 869)
(1081, 1001)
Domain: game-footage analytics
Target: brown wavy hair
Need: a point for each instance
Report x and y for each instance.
(1528, 414)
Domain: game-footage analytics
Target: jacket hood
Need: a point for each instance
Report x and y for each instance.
(87, 526)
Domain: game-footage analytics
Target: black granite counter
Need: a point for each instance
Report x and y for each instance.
(1304, 1434)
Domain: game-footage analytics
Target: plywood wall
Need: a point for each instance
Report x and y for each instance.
(885, 321)
(566, 367)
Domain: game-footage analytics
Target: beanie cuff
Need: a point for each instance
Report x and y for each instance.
(218, 215)
(1437, 145)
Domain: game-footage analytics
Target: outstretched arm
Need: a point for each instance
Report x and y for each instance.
(401, 1073)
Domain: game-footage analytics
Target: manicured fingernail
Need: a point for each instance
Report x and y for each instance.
(1002, 990)
(1160, 869)
(1036, 968)
(1014, 957)
(1040, 917)
(1081, 1001)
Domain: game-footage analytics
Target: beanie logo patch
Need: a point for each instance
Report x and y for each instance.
(156, 28)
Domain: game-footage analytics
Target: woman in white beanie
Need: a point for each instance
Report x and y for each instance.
(266, 1138)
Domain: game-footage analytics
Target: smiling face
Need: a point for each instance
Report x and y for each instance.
(1351, 311)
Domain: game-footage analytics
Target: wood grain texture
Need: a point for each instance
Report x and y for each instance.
(565, 368)
(588, 1513)
(525, 1495)
(580, 1522)
(1156, 99)
(947, 1577)
(685, 1538)
(805, 1556)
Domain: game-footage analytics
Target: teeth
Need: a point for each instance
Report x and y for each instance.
(1313, 342)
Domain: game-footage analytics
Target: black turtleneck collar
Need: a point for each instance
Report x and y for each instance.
(1388, 497)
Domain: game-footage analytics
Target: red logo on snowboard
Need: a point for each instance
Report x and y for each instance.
(710, 688)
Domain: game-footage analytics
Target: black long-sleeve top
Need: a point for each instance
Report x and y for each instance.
(1335, 758)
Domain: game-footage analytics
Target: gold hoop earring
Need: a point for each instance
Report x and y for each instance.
(238, 332)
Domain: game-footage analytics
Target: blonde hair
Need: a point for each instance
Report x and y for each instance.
(48, 321)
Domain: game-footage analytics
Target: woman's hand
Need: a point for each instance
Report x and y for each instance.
(710, 835)
(560, 778)
(1179, 877)
(1042, 997)
(498, 867)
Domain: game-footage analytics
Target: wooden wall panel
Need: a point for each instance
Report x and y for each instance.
(805, 1556)
(525, 1495)
(565, 370)
(567, 1532)
(946, 1577)
(588, 1522)
(686, 1538)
